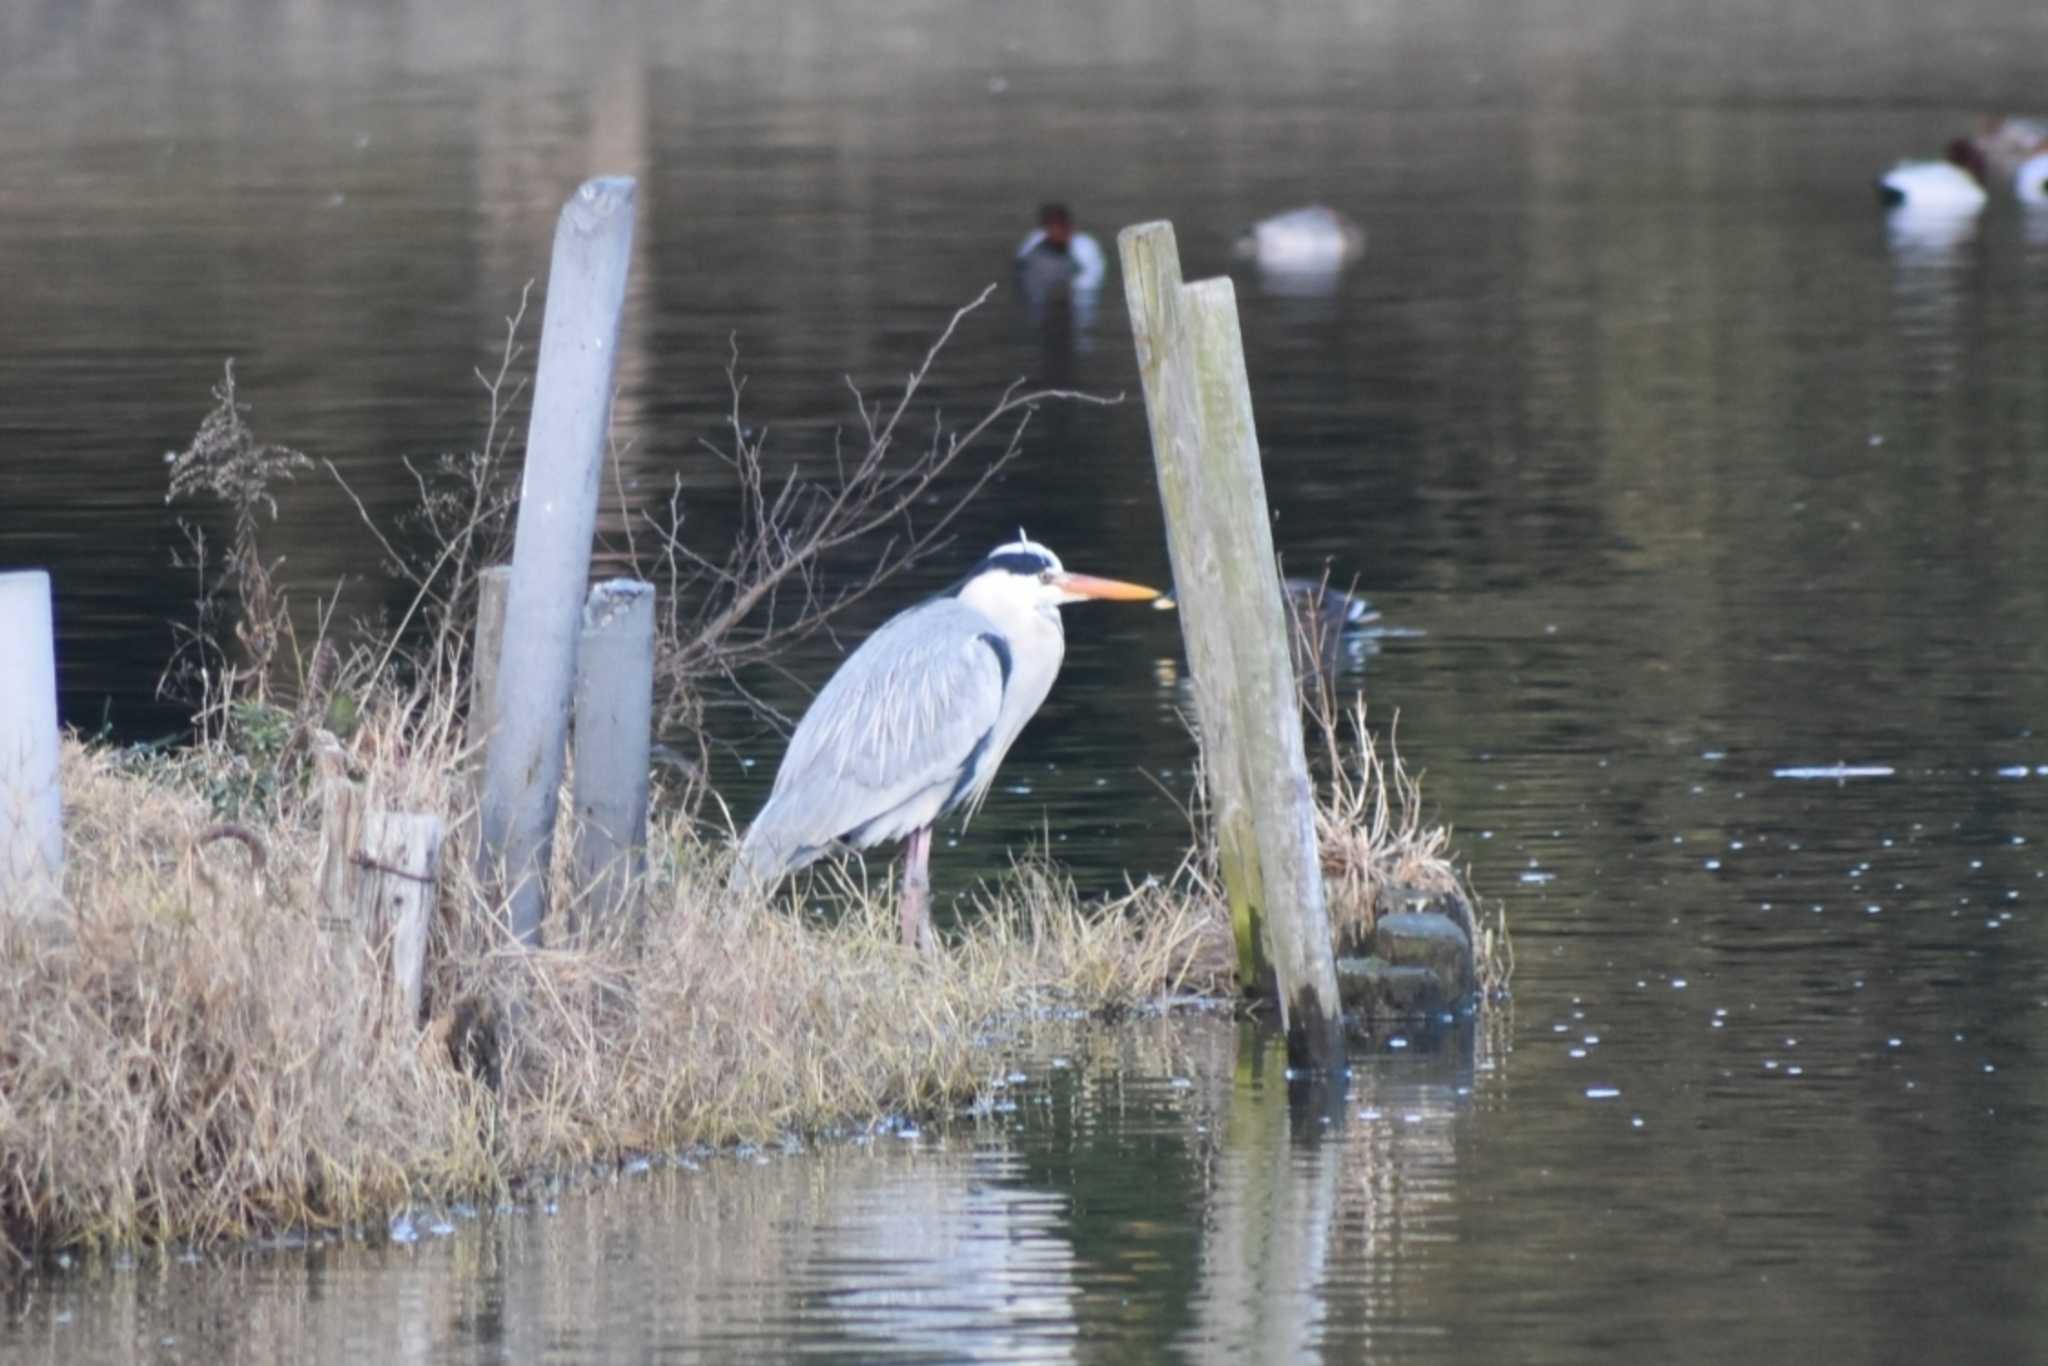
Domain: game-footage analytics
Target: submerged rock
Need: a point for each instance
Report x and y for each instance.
(1427, 940)
(1420, 965)
(1374, 991)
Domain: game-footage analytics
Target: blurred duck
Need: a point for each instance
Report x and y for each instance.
(2002, 151)
(1952, 185)
(1336, 609)
(1313, 602)
(1054, 253)
(2002, 146)
(1313, 240)
(2030, 181)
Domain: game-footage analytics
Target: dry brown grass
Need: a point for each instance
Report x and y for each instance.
(198, 1051)
(1376, 846)
(188, 1055)
(1369, 826)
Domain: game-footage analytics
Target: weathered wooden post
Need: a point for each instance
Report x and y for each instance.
(31, 809)
(492, 586)
(376, 875)
(565, 450)
(614, 736)
(1204, 442)
(402, 851)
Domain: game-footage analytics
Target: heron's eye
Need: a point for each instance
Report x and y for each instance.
(1045, 576)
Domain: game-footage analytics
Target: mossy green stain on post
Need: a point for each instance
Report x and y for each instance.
(1238, 860)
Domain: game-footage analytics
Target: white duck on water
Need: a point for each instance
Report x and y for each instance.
(2030, 181)
(1312, 240)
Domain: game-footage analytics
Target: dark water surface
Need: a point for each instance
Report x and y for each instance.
(1686, 472)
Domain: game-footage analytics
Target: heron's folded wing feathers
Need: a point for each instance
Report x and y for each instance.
(900, 720)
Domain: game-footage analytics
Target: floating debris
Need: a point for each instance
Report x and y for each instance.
(1835, 772)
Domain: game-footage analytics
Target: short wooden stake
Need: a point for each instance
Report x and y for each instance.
(1219, 535)
(565, 451)
(376, 877)
(402, 859)
(614, 742)
(31, 807)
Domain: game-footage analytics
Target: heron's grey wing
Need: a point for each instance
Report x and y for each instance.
(893, 737)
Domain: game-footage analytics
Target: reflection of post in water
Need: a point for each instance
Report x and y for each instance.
(1271, 1217)
(1339, 1187)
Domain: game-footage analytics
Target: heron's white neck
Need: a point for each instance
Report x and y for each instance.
(1029, 619)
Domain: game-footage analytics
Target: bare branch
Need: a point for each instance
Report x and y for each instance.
(767, 590)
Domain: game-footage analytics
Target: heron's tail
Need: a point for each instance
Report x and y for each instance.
(759, 865)
(768, 853)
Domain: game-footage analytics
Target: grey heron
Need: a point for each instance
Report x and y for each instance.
(915, 722)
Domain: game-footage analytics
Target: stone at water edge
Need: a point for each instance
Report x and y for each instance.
(1375, 991)
(1436, 942)
(1395, 897)
(1421, 966)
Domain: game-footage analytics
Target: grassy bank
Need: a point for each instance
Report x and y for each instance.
(199, 1051)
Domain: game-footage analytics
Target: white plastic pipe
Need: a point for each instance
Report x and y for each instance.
(565, 450)
(31, 810)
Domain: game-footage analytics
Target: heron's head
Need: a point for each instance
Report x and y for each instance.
(1024, 575)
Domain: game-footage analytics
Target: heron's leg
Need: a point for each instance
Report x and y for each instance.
(917, 885)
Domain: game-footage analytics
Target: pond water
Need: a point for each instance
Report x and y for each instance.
(1708, 505)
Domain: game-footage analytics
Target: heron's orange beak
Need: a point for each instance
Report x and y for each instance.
(1080, 586)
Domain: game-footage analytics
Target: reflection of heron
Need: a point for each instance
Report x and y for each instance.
(915, 722)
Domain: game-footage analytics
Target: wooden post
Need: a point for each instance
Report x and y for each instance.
(376, 876)
(402, 855)
(491, 589)
(31, 808)
(1219, 535)
(614, 740)
(565, 450)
